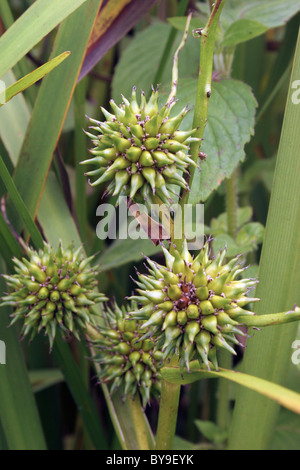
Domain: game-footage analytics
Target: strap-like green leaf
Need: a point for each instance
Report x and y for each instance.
(33, 77)
(31, 27)
(18, 412)
(268, 354)
(285, 397)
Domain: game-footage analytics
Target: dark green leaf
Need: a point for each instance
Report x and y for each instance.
(139, 61)
(125, 251)
(211, 431)
(229, 127)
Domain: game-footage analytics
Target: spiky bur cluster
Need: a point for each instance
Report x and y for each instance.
(139, 150)
(192, 305)
(53, 289)
(128, 361)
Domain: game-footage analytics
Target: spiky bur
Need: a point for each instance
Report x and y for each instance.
(139, 150)
(53, 289)
(192, 305)
(127, 360)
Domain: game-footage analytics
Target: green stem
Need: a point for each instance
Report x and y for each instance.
(225, 361)
(270, 319)
(175, 62)
(79, 151)
(207, 43)
(139, 422)
(225, 358)
(232, 204)
(167, 417)
(171, 392)
(166, 52)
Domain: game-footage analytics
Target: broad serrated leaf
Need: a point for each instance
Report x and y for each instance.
(139, 61)
(219, 224)
(251, 233)
(229, 127)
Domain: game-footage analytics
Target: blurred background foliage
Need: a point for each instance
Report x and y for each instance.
(133, 44)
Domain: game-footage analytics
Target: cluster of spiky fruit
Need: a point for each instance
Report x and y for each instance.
(192, 305)
(128, 360)
(53, 289)
(139, 150)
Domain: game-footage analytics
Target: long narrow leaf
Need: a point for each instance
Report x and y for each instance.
(268, 353)
(20, 206)
(18, 413)
(67, 365)
(52, 104)
(11, 242)
(285, 397)
(104, 38)
(14, 118)
(31, 27)
(23, 67)
(33, 77)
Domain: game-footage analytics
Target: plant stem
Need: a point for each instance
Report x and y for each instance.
(166, 52)
(139, 422)
(232, 204)
(225, 362)
(171, 392)
(207, 43)
(167, 418)
(175, 62)
(225, 358)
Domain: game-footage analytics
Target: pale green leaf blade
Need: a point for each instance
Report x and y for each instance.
(33, 77)
(268, 354)
(35, 23)
(14, 117)
(285, 397)
(242, 30)
(287, 432)
(57, 89)
(41, 379)
(271, 13)
(211, 431)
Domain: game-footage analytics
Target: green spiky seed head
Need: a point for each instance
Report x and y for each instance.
(53, 289)
(128, 360)
(192, 305)
(139, 150)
